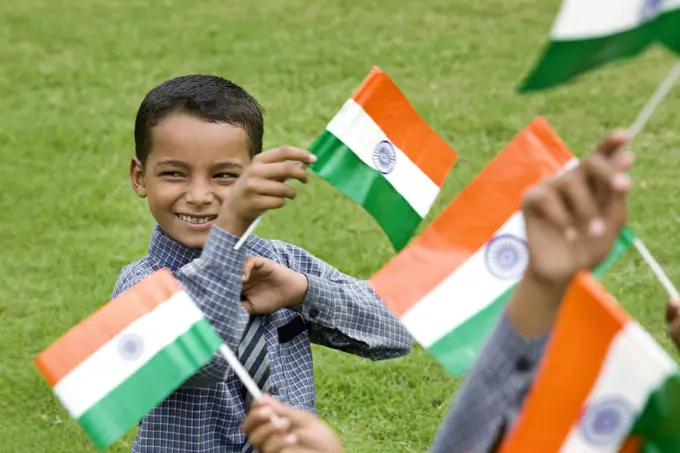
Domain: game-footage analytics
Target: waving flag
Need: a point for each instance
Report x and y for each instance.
(110, 370)
(450, 285)
(381, 154)
(590, 33)
(604, 385)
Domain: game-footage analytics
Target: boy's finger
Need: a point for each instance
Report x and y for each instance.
(600, 173)
(265, 432)
(257, 416)
(264, 203)
(281, 171)
(260, 412)
(672, 310)
(279, 443)
(613, 142)
(544, 203)
(285, 153)
(610, 186)
(274, 189)
(251, 262)
(674, 332)
(623, 161)
(299, 418)
(574, 189)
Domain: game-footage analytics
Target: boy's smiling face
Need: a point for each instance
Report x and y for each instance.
(188, 173)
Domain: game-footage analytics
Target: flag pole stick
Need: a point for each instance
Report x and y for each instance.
(648, 110)
(243, 375)
(240, 371)
(645, 114)
(242, 240)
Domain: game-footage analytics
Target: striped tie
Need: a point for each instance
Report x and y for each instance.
(252, 352)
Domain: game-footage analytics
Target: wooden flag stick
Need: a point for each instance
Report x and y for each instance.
(243, 375)
(645, 114)
(657, 98)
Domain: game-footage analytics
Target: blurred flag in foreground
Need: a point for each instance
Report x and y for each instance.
(590, 33)
(604, 384)
(110, 370)
(451, 284)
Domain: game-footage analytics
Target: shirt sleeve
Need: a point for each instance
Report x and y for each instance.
(213, 281)
(492, 394)
(344, 313)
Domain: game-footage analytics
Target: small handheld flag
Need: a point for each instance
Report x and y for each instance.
(380, 153)
(110, 370)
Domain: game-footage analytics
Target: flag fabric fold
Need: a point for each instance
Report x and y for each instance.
(383, 155)
(604, 384)
(111, 369)
(450, 286)
(590, 33)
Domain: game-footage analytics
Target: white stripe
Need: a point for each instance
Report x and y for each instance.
(106, 368)
(635, 366)
(587, 19)
(466, 291)
(357, 130)
(469, 289)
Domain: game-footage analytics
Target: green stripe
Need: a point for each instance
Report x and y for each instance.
(344, 170)
(659, 420)
(458, 350)
(564, 60)
(128, 403)
(669, 29)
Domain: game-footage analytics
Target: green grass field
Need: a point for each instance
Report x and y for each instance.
(73, 74)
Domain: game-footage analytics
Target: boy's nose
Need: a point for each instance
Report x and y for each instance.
(200, 194)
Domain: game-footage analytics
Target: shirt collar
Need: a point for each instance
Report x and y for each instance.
(170, 253)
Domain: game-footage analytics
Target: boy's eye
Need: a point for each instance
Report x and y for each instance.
(172, 174)
(226, 176)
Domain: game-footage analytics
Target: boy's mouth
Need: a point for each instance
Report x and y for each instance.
(196, 220)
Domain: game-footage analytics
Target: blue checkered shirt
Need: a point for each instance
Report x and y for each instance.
(340, 312)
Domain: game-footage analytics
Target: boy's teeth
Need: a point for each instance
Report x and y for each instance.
(197, 220)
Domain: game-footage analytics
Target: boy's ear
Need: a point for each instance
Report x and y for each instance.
(137, 177)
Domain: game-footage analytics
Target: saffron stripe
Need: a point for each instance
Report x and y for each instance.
(65, 354)
(386, 104)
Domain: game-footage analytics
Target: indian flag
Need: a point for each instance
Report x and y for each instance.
(591, 33)
(604, 384)
(450, 286)
(381, 154)
(110, 370)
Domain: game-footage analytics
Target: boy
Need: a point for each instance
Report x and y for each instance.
(198, 162)
(572, 222)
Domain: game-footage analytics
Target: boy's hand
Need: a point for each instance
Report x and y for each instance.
(298, 431)
(269, 286)
(262, 186)
(573, 219)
